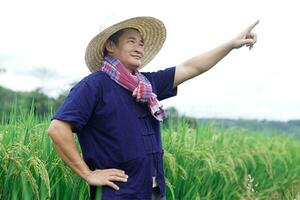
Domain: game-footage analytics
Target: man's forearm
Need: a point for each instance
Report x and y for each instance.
(201, 63)
(66, 148)
(207, 60)
(62, 136)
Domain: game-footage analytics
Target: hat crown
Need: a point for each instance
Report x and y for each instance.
(111, 20)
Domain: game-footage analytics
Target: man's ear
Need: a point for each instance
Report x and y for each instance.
(109, 46)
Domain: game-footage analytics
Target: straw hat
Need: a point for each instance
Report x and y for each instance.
(151, 29)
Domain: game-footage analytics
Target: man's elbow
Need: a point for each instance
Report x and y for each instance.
(58, 129)
(52, 130)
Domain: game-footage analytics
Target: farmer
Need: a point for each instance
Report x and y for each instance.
(116, 110)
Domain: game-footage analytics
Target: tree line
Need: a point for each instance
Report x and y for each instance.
(42, 105)
(35, 100)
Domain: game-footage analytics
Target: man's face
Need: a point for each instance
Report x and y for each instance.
(129, 50)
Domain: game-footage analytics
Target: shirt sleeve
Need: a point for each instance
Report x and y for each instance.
(78, 106)
(164, 80)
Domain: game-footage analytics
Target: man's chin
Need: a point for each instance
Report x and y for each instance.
(136, 65)
(133, 66)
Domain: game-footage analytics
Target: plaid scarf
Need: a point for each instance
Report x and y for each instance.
(137, 83)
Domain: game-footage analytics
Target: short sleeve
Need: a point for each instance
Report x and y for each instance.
(78, 105)
(164, 80)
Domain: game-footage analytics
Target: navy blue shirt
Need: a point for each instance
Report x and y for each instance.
(115, 131)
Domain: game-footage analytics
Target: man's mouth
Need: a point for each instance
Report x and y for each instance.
(137, 57)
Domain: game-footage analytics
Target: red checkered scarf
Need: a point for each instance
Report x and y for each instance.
(137, 83)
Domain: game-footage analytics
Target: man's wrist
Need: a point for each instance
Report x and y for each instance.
(85, 174)
(231, 45)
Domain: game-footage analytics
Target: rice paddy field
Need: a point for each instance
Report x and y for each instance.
(200, 163)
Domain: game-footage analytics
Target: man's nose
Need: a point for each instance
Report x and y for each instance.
(140, 50)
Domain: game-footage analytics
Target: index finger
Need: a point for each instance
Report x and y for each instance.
(249, 29)
(117, 170)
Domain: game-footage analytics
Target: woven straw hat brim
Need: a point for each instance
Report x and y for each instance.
(151, 29)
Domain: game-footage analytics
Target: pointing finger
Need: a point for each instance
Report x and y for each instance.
(249, 29)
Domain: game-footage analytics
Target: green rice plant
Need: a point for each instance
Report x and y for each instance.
(30, 167)
(202, 162)
(209, 163)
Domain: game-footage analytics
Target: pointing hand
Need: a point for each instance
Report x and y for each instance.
(245, 38)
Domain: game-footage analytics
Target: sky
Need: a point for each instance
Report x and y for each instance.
(43, 43)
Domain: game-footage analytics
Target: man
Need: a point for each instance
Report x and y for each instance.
(116, 112)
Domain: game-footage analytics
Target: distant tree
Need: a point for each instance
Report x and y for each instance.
(36, 100)
(294, 122)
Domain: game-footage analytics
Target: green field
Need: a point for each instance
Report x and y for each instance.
(200, 163)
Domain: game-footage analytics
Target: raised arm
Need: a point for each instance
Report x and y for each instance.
(201, 63)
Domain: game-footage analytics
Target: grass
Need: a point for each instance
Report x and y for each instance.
(205, 163)
(30, 168)
(200, 163)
